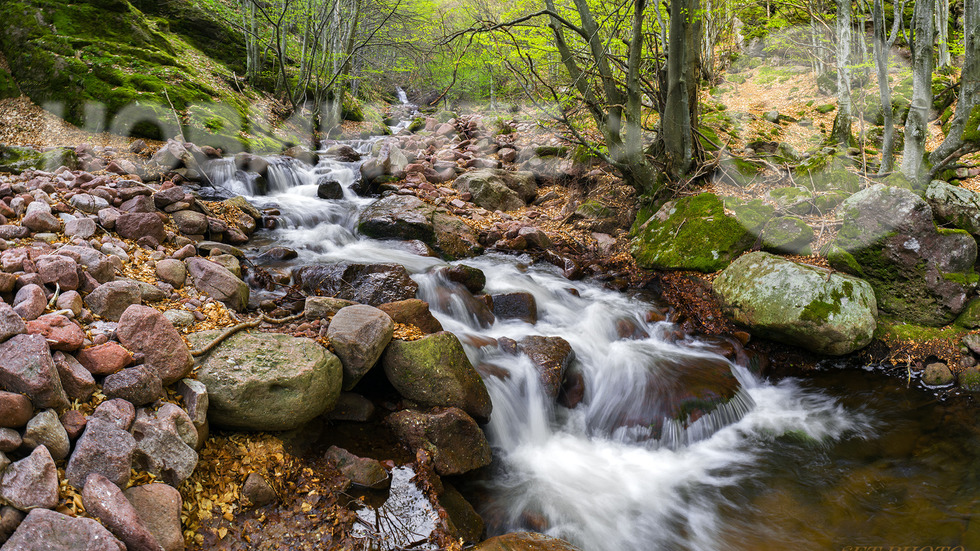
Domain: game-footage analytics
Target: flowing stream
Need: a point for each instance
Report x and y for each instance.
(844, 458)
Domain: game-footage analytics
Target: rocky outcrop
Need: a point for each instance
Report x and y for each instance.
(919, 273)
(268, 382)
(801, 305)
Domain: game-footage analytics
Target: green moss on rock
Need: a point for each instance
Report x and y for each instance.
(691, 233)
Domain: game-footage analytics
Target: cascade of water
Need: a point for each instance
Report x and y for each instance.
(616, 472)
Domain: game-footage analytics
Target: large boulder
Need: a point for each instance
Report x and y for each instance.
(405, 217)
(371, 284)
(691, 233)
(497, 189)
(452, 437)
(921, 274)
(955, 205)
(801, 305)
(434, 371)
(398, 217)
(218, 282)
(50, 531)
(359, 334)
(267, 381)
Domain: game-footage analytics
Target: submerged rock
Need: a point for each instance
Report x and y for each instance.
(801, 305)
(267, 381)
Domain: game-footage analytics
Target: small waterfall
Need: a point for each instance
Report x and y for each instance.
(620, 470)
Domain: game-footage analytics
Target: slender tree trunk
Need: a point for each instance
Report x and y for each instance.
(968, 105)
(942, 33)
(916, 125)
(678, 135)
(881, 52)
(841, 133)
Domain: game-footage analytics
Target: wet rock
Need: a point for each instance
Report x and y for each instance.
(343, 153)
(158, 507)
(75, 378)
(969, 379)
(453, 297)
(362, 471)
(327, 188)
(45, 530)
(218, 282)
(10, 322)
(60, 332)
(801, 305)
(134, 225)
(398, 217)
(58, 270)
(551, 356)
(104, 359)
(412, 311)
(258, 491)
(276, 254)
(26, 367)
(268, 381)
(137, 385)
(359, 335)
(434, 371)
(45, 429)
(937, 374)
(302, 153)
(464, 522)
(15, 410)
(495, 189)
(520, 306)
(145, 330)
(32, 482)
(165, 441)
(104, 501)
(919, 273)
(691, 233)
(351, 407)
(524, 541)
(453, 237)
(371, 284)
(30, 301)
(452, 437)
(111, 299)
(472, 278)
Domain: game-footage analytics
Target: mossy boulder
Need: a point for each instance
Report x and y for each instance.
(787, 234)
(920, 273)
(793, 200)
(691, 233)
(267, 381)
(434, 371)
(954, 205)
(801, 305)
(14, 159)
(828, 172)
(754, 214)
(970, 316)
(969, 379)
(8, 88)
